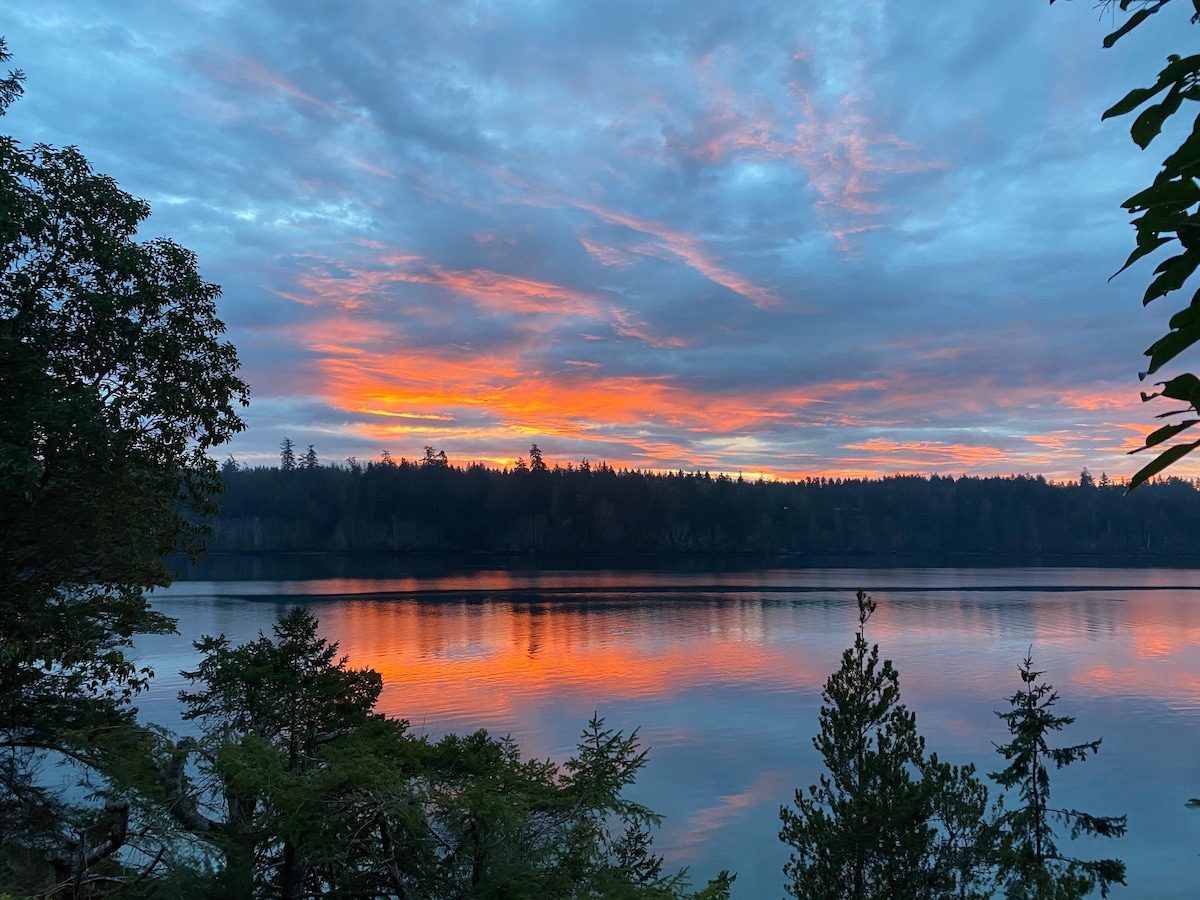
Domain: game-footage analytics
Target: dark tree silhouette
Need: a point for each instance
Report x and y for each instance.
(287, 455)
(1031, 865)
(874, 826)
(115, 384)
(1166, 212)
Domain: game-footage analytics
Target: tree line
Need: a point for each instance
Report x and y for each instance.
(428, 504)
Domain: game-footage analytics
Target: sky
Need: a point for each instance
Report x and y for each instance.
(772, 238)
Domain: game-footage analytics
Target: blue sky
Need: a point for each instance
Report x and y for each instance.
(783, 238)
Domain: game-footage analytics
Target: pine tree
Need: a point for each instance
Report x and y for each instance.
(310, 458)
(875, 826)
(536, 463)
(435, 459)
(1031, 866)
(287, 455)
(272, 708)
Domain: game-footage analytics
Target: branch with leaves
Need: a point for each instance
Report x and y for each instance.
(1167, 212)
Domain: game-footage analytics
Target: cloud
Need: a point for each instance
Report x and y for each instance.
(765, 239)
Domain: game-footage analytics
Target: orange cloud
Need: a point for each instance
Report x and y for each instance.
(834, 143)
(923, 454)
(606, 256)
(627, 325)
(671, 243)
(454, 381)
(506, 293)
(1119, 398)
(369, 167)
(462, 396)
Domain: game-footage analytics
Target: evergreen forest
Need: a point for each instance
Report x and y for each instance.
(390, 506)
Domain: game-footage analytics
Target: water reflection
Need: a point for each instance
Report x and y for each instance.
(485, 661)
(723, 671)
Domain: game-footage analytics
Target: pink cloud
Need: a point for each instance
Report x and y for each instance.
(671, 243)
(688, 249)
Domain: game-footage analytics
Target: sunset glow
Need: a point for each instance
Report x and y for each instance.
(832, 241)
(450, 661)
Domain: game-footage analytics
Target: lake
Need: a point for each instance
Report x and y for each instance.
(722, 672)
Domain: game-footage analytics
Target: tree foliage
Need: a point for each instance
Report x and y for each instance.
(302, 789)
(287, 455)
(115, 384)
(269, 706)
(1166, 214)
(886, 821)
(1031, 867)
(402, 505)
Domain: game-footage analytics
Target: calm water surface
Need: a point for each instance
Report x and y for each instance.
(722, 674)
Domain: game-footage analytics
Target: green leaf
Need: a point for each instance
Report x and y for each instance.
(1147, 126)
(1170, 413)
(1165, 433)
(1160, 462)
(1188, 230)
(1173, 193)
(1155, 220)
(1189, 314)
(1131, 101)
(1131, 23)
(1185, 160)
(1172, 273)
(1185, 387)
(1178, 71)
(1179, 68)
(1171, 345)
(1142, 249)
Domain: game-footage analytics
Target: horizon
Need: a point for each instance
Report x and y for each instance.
(505, 466)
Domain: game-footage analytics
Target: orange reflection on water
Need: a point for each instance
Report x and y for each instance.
(500, 647)
(1160, 658)
(495, 581)
(1156, 639)
(482, 660)
(1124, 640)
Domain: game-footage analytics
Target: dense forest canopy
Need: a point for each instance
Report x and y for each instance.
(429, 504)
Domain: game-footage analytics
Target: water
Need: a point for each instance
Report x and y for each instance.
(722, 672)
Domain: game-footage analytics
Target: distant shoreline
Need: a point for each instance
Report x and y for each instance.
(224, 565)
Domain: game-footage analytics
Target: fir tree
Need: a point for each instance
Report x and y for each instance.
(1031, 866)
(885, 822)
(435, 459)
(536, 463)
(300, 788)
(287, 455)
